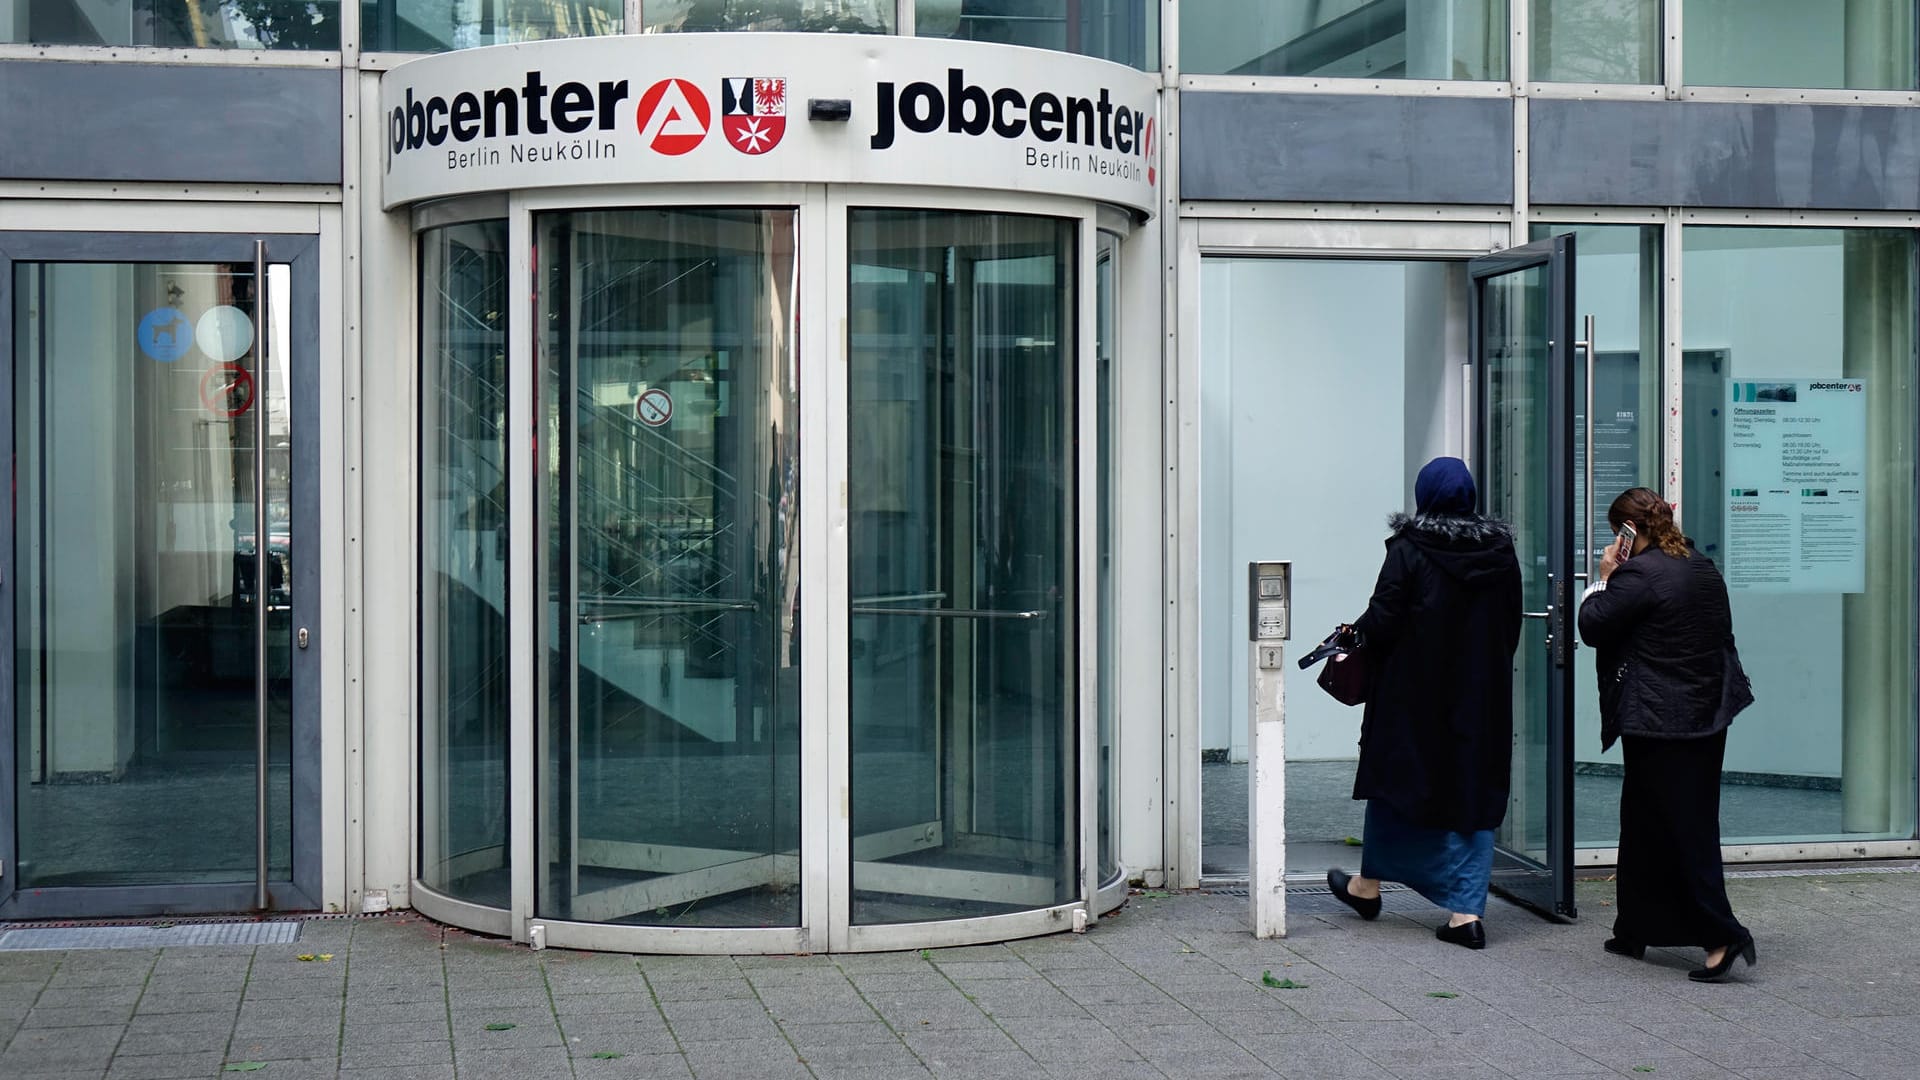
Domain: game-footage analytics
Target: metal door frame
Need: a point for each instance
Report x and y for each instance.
(1556, 255)
(301, 253)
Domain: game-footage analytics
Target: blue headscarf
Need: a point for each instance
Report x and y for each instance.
(1444, 487)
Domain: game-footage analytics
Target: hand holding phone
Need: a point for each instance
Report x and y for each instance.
(1628, 534)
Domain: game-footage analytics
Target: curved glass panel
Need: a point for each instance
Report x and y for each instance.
(838, 16)
(1372, 39)
(1125, 31)
(463, 561)
(961, 552)
(175, 24)
(669, 777)
(420, 26)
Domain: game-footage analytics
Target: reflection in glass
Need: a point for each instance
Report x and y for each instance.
(1514, 332)
(837, 16)
(463, 561)
(669, 776)
(420, 26)
(1617, 281)
(1850, 44)
(1827, 750)
(1125, 31)
(961, 552)
(1595, 41)
(179, 24)
(1374, 39)
(137, 585)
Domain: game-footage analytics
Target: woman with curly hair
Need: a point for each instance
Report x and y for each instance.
(1670, 683)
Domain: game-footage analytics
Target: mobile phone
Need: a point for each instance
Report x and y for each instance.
(1627, 537)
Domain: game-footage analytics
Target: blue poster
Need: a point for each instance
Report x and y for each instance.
(165, 334)
(1796, 470)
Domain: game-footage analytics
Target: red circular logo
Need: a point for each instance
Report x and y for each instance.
(673, 116)
(226, 390)
(1146, 151)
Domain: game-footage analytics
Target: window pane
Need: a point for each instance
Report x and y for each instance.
(1617, 281)
(670, 793)
(1595, 41)
(1802, 487)
(963, 728)
(420, 26)
(1127, 31)
(1105, 345)
(839, 16)
(1855, 44)
(136, 577)
(1374, 39)
(463, 561)
(177, 24)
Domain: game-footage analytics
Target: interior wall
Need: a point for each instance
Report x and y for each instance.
(1325, 385)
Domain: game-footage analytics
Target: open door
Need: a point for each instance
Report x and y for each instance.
(1521, 329)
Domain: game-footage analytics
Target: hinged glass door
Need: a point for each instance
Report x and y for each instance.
(1521, 329)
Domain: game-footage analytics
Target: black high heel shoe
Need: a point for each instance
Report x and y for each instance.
(1622, 947)
(1368, 907)
(1742, 948)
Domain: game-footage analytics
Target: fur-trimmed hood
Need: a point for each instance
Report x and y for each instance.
(1473, 528)
(1472, 548)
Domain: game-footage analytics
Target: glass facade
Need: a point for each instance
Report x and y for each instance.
(1851, 44)
(136, 583)
(828, 16)
(418, 26)
(1126, 31)
(1799, 422)
(963, 725)
(669, 775)
(1106, 687)
(1374, 39)
(176, 24)
(1594, 41)
(464, 534)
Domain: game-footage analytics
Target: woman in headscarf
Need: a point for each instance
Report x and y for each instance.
(1436, 739)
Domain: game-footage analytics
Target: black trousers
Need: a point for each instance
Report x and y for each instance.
(1671, 887)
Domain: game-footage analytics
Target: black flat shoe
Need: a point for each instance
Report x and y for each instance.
(1369, 908)
(1470, 935)
(1623, 947)
(1742, 948)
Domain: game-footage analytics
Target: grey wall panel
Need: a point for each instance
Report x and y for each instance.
(1345, 148)
(66, 121)
(1711, 154)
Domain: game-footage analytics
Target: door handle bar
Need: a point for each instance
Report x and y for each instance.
(950, 613)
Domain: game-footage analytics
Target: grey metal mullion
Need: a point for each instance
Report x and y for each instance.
(261, 577)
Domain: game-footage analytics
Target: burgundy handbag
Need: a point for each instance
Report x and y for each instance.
(1345, 675)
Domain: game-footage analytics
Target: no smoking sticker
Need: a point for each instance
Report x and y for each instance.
(226, 390)
(653, 407)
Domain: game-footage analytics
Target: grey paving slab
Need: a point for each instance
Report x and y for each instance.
(165, 1066)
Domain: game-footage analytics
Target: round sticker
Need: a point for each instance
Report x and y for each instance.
(165, 334)
(226, 390)
(225, 333)
(653, 407)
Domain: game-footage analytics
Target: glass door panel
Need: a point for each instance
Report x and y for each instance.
(135, 585)
(669, 769)
(1522, 339)
(963, 730)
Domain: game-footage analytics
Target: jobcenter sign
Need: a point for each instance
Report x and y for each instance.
(736, 107)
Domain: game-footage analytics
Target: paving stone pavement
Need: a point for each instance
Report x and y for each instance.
(1169, 988)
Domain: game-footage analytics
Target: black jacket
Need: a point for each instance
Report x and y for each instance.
(1664, 634)
(1440, 631)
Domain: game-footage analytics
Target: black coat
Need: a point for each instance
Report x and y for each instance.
(1664, 634)
(1440, 632)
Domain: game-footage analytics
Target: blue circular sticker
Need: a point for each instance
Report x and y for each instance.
(165, 334)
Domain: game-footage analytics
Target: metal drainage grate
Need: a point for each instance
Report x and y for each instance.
(150, 937)
(1823, 871)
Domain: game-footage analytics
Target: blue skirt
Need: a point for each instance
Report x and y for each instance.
(1450, 869)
